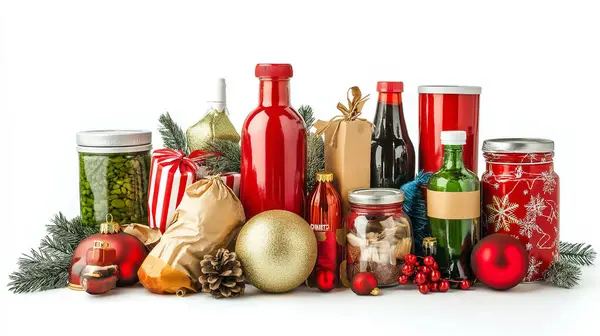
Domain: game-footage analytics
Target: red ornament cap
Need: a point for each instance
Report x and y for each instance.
(101, 254)
(270, 70)
(390, 87)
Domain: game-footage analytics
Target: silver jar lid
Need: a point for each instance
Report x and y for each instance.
(114, 141)
(376, 196)
(518, 145)
(450, 89)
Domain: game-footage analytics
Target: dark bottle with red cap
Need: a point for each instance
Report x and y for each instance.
(392, 152)
(273, 148)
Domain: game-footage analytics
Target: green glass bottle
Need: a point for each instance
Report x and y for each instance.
(453, 209)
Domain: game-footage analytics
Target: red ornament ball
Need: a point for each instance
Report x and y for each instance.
(407, 269)
(424, 289)
(403, 279)
(435, 275)
(434, 266)
(428, 261)
(424, 269)
(499, 261)
(365, 283)
(420, 278)
(434, 286)
(444, 285)
(465, 284)
(325, 280)
(410, 259)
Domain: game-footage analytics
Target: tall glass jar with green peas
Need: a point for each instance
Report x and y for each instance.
(114, 168)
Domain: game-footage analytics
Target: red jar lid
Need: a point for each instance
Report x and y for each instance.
(390, 87)
(273, 70)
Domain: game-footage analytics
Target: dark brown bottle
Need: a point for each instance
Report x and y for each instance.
(392, 152)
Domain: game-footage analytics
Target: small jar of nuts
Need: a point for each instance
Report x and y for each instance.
(378, 234)
(114, 168)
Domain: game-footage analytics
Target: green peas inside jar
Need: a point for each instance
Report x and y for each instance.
(114, 168)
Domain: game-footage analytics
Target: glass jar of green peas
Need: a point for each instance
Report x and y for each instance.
(114, 168)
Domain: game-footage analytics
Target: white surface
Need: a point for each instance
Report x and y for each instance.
(67, 66)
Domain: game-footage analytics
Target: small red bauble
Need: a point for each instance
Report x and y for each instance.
(424, 269)
(365, 283)
(421, 278)
(434, 266)
(499, 261)
(465, 284)
(428, 261)
(410, 259)
(434, 286)
(325, 280)
(435, 275)
(403, 279)
(424, 289)
(444, 285)
(407, 269)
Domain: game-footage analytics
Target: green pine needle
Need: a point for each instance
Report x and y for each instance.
(172, 135)
(306, 112)
(577, 253)
(48, 267)
(562, 274)
(228, 162)
(315, 156)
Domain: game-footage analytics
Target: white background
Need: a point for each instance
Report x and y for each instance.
(67, 66)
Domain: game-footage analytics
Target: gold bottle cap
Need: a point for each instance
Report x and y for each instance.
(324, 177)
(429, 242)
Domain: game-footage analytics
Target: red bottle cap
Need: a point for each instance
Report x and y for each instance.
(390, 87)
(273, 70)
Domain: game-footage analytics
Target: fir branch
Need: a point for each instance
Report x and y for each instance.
(577, 253)
(172, 135)
(48, 267)
(40, 271)
(228, 162)
(306, 112)
(562, 274)
(315, 156)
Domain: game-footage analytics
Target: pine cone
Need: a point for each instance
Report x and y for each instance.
(222, 275)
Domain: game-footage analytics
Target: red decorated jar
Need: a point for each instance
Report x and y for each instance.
(378, 234)
(520, 197)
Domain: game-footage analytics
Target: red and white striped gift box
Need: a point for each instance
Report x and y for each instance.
(170, 174)
(232, 180)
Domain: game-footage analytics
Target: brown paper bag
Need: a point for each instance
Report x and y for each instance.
(348, 146)
(207, 219)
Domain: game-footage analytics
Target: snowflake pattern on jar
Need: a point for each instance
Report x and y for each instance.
(520, 195)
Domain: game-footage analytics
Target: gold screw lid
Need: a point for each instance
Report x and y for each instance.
(324, 177)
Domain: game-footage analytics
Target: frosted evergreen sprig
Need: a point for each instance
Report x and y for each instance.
(562, 274)
(577, 253)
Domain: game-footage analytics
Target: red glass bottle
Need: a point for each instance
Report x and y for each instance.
(325, 218)
(273, 148)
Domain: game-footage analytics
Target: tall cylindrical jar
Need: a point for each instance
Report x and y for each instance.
(520, 197)
(446, 108)
(378, 234)
(114, 167)
(273, 148)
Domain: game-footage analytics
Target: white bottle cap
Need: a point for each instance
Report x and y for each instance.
(453, 137)
(217, 92)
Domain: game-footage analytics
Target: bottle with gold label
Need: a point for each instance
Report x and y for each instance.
(325, 218)
(453, 209)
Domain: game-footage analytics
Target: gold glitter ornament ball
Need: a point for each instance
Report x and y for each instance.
(278, 250)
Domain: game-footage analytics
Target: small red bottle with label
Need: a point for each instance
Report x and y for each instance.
(324, 217)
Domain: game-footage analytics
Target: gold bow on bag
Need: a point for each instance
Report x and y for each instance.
(350, 113)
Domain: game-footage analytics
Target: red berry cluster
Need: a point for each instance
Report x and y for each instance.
(427, 277)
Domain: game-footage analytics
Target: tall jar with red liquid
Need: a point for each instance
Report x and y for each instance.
(273, 147)
(447, 108)
(325, 218)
